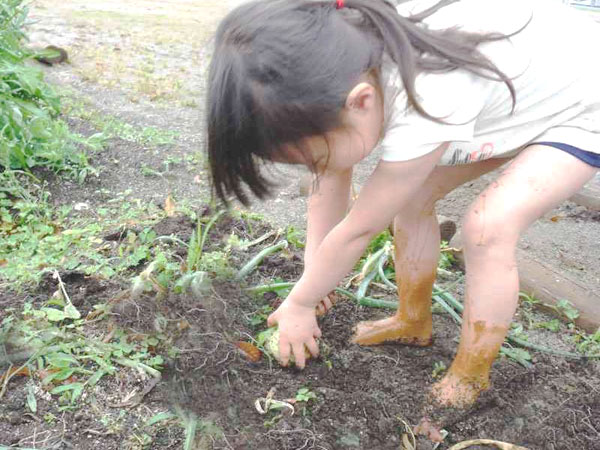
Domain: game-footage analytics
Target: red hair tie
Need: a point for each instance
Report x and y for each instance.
(339, 4)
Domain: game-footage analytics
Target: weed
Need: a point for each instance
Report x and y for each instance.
(195, 274)
(566, 308)
(588, 344)
(50, 418)
(447, 260)
(51, 340)
(528, 299)
(517, 330)
(32, 135)
(295, 237)
(439, 367)
(259, 316)
(35, 237)
(552, 325)
(305, 395)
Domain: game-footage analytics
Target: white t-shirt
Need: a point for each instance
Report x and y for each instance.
(554, 66)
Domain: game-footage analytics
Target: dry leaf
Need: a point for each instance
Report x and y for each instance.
(24, 372)
(406, 444)
(250, 351)
(170, 206)
(183, 325)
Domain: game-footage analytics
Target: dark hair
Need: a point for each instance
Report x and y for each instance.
(282, 70)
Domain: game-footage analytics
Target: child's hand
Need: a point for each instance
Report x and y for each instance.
(298, 330)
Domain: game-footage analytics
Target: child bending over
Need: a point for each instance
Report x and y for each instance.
(448, 91)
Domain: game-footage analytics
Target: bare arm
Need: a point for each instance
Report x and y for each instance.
(327, 206)
(389, 188)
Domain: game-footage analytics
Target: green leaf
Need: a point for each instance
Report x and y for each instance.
(518, 354)
(64, 374)
(61, 360)
(57, 301)
(54, 315)
(159, 418)
(75, 388)
(71, 312)
(31, 401)
(39, 128)
(93, 380)
(263, 336)
(552, 325)
(568, 309)
(156, 361)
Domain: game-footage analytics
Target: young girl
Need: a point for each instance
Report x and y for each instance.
(449, 91)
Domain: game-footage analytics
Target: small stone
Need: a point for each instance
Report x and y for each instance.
(519, 423)
(81, 207)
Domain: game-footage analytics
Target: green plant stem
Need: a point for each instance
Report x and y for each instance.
(445, 295)
(138, 365)
(364, 284)
(191, 425)
(365, 301)
(512, 339)
(440, 301)
(385, 280)
(270, 287)
(368, 301)
(209, 225)
(372, 261)
(539, 348)
(445, 300)
(260, 239)
(255, 262)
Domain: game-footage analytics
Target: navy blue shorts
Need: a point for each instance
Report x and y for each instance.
(593, 159)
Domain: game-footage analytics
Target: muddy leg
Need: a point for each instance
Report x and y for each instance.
(539, 179)
(417, 249)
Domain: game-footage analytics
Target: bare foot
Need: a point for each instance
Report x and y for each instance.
(429, 430)
(393, 329)
(458, 392)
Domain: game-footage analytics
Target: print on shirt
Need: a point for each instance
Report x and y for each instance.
(463, 155)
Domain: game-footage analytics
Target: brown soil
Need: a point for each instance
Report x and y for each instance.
(362, 393)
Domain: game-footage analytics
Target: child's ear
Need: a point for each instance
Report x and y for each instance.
(361, 99)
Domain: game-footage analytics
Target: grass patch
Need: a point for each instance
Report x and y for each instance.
(35, 237)
(110, 126)
(31, 132)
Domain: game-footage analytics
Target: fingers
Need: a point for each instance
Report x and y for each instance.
(299, 354)
(272, 320)
(313, 347)
(325, 305)
(284, 351)
(299, 351)
(317, 333)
